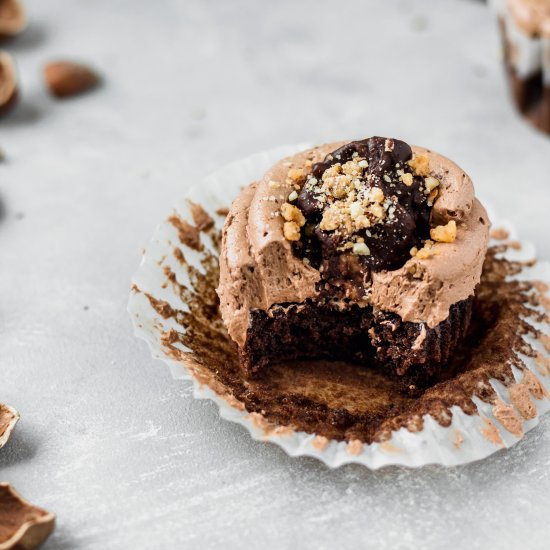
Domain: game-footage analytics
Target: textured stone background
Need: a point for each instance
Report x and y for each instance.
(107, 440)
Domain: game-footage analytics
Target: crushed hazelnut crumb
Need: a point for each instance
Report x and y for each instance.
(406, 178)
(420, 164)
(293, 196)
(296, 174)
(444, 233)
(431, 183)
(361, 249)
(291, 231)
(426, 251)
(292, 214)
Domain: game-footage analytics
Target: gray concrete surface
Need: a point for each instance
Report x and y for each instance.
(107, 440)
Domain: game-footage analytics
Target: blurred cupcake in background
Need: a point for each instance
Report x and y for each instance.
(525, 31)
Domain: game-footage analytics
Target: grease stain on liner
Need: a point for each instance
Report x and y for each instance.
(335, 411)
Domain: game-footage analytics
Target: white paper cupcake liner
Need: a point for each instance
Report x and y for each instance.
(466, 439)
(531, 53)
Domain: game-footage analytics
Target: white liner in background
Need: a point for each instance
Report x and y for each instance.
(532, 53)
(462, 442)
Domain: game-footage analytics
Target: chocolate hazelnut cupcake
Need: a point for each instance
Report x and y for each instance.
(368, 251)
(525, 30)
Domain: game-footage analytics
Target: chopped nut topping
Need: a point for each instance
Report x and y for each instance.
(431, 183)
(444, 233)
(426, 251)
(291, 231)
(361, 249)
(420, 164)
(296, 174)
(352, 168)
(330, 219)
(293, 196)
(406, 178)
(377, 210)
(292, 214)
(376, 194)
(356, 210)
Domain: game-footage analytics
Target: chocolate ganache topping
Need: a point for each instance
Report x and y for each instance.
(365, 210)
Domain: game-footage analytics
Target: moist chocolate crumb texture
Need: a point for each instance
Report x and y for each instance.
(525, 30)
(368, 251)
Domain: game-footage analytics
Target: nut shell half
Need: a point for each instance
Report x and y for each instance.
(13, 18)
(8, 83)
(8, 420)
(22, 525)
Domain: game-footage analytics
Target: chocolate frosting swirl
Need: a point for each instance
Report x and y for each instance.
(259, 267)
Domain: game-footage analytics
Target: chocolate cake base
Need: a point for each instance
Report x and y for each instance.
(411, 353)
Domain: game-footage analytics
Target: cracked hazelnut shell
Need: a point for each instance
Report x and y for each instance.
(8, 83)
(13, 18)
(8, 420)
(22, 525)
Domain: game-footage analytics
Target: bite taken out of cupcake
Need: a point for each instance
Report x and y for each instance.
(368, 251)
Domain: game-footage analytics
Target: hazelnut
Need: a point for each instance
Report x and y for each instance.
(64, 78)
(13, 18)
(8, 83)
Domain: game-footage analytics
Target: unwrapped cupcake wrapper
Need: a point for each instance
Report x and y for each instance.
(466, 438)
(527, 60)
